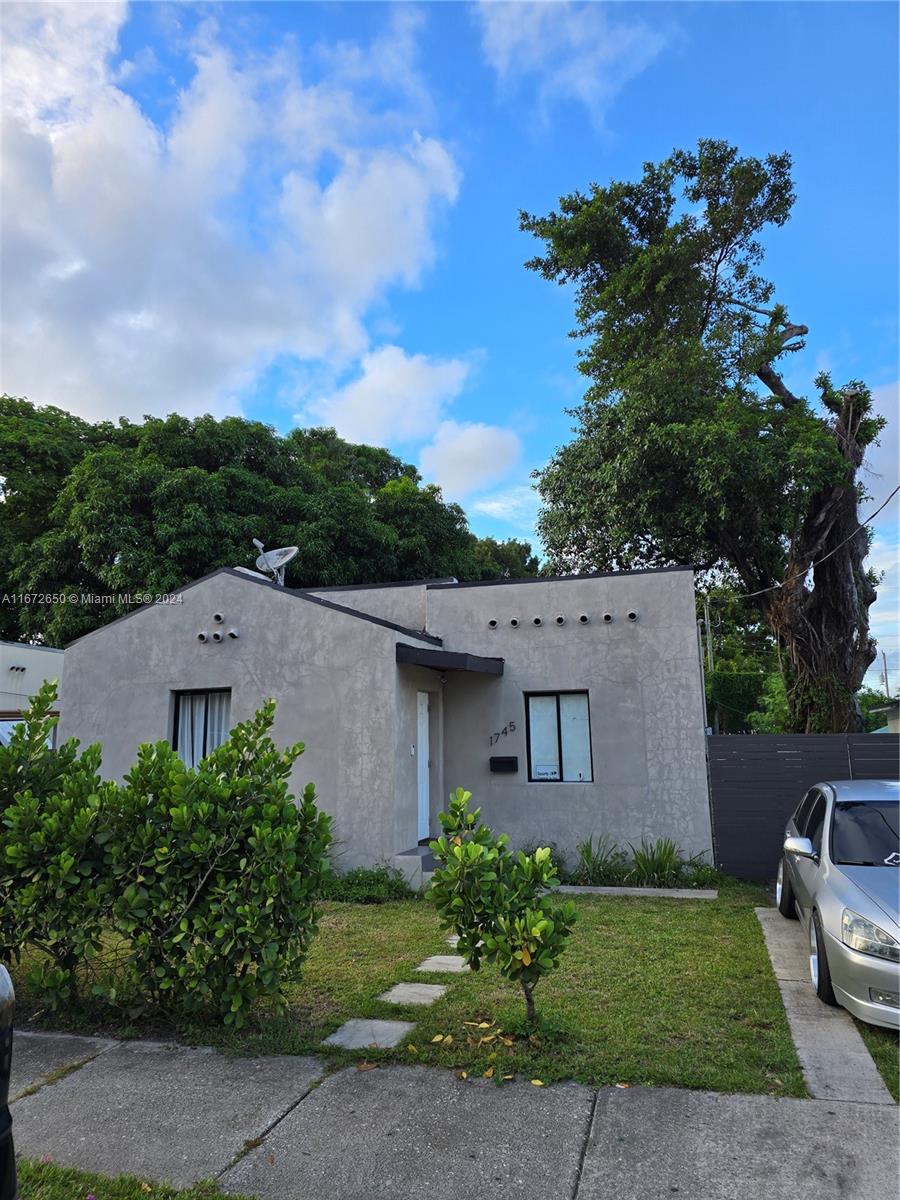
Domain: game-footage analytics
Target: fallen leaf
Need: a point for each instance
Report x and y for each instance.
(438, 1037)
(486, 1041)
(448, 1040)
(489, 1073)
(463, 1075)
(366, 1066)
(484, 1024)
(538, 1082)
(509, 1076)
(492, 1056)
(623, 1085)
(145, 1187)
(507, 1041)
(412, 1049)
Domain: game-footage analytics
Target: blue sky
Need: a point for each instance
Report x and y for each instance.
(308, 213)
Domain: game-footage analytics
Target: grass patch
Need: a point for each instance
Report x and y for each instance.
(884, 1046)
(47, 1181)
(652, 991)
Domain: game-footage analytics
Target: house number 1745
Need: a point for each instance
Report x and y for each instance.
(509, 727)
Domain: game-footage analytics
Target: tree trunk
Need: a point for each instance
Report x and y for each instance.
(823, 629)
(528, 989)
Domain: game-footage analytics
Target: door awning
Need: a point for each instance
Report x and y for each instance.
(448, 660)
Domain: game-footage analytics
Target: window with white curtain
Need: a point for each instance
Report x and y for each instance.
(202, 722)
(559, 737)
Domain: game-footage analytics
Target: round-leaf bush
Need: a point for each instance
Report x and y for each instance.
(217, 872)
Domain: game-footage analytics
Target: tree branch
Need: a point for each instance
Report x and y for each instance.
(777, 386)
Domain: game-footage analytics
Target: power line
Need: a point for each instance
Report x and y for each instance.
(803, 574)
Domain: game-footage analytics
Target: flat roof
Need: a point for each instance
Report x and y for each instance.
(558, 578)
(33, 646)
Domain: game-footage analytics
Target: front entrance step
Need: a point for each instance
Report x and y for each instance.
(359, 1034)
(416, 865)
(453, 964)
(413, 993)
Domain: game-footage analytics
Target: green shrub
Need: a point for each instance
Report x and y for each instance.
(495, 900)
(655, 864)
(367, 885)
(600, 865)
(56, 816)
(217, 872)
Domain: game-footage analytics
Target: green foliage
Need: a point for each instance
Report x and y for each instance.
(367, 885)
(600, 865)
(494, 900)
(773, 714)
(655, 864)
(193, 887)
(149, 507)
(690, 448)
(733, 696)
(54, 824)
(217, 872)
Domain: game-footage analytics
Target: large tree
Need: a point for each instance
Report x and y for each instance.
(690, 445)
(136, 508)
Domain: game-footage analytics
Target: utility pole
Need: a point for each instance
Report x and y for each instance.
(706, 622)
(887, 686)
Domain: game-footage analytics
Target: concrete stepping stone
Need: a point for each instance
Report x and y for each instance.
(359, 1034)
(453, 964)
(413, 993)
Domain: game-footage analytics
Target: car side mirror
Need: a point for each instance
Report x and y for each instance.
(801, 847)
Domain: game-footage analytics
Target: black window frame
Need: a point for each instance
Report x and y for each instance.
(802, 810)
(820, 796)
(177, 713)
(527, 696)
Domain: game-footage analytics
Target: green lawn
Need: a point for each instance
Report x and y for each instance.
(884, 1046)
(46, 1181)
(649, 991)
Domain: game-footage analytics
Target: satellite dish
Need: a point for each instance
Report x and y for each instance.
(274, 561)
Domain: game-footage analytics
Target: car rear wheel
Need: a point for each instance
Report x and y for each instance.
(784, 893)
(818, 963)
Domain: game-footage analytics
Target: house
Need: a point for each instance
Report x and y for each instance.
(569, 707)
(23, 668)
(891, 712)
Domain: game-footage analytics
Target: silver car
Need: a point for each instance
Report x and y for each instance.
(840, 873)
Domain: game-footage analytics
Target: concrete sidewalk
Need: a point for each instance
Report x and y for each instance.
(284, 1128)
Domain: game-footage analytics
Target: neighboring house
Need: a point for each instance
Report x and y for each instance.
(568, 707)
(23, 668)
(891, 712)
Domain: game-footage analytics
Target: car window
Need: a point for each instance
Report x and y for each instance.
(865, 834)
(815, 823)
(803, 809)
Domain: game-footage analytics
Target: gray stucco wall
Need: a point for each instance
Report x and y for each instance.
(402, 603)
(645, 703)
(334, 678)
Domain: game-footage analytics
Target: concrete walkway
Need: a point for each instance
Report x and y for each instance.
(836, 1064)
(284, 1128)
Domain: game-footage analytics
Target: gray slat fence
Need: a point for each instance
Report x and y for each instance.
(756, 782)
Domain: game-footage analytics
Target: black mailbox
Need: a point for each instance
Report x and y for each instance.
(505, 766)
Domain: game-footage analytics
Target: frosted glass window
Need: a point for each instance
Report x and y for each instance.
(544, 738)
(559, 738)
(202, 722)
(575, 735)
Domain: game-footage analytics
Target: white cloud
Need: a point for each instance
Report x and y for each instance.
(516, 505)
(567, 51)
(397, 397)
(464, 458)
(152, 267)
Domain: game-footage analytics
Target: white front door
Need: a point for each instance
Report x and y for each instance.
(422, 771)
